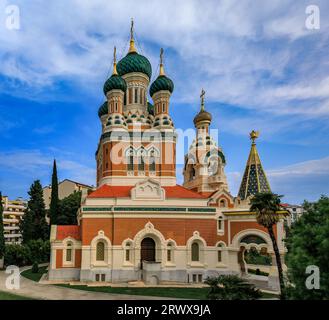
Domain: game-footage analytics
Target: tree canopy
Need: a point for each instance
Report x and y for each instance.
(308, 244)
(67, 209)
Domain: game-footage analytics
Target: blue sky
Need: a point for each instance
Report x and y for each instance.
(260, 66)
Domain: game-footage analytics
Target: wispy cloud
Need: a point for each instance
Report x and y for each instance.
(37, 164)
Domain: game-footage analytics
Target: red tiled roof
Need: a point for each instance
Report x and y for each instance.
(68, 231)
(106, 191)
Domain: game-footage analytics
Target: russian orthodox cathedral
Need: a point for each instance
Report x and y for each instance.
(139, 224)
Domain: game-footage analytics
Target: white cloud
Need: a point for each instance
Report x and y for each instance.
(236, 50)
(311, 167)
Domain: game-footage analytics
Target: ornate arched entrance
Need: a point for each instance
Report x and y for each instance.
(147, 250)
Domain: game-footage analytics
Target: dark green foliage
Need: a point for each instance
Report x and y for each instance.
(2, 237)
(28, 253)
(33, 225)
(67, 209)
(308, 244)
(53, 210)
(35, 267)
(231, 287)
(255, 257)
(15, 254)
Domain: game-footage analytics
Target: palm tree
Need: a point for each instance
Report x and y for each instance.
(267, 207)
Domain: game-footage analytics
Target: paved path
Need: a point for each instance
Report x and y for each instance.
(31, 289)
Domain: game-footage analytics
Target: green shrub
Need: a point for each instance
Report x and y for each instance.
(27, 254)
(230, 287)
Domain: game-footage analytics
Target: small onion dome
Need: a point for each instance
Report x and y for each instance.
(134, 62)
(162, 82)
(103, 110)
(150, 108)
(202, 116)
(114, 82)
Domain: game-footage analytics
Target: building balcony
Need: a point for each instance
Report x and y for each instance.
(14, 213)
(12, 235)
(11, 227)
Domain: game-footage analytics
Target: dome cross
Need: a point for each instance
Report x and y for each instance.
(202, 95)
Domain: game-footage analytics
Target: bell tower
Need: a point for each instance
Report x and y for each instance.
(205, 162)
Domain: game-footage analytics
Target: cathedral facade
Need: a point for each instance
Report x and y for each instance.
(139, 224)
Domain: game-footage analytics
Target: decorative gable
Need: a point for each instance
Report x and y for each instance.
(148, 190)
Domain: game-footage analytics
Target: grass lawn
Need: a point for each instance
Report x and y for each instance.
(11, 296)
(184, 293)
(34, 276)
(187, 293)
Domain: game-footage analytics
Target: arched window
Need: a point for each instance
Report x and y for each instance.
(222, 203)
(136, 95)
(152, 162)
(220, 224)
(141, 164)
(192, 174)
(130, 162)
(219, 252)
(116, 107)
(163, 107)
(195, 252)
(69, 252)
(100, 251)
(169, 252)
(127, 257)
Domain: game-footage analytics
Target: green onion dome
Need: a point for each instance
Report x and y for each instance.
(114, 82)
(162, 82)
(134, 62)
(103, 110)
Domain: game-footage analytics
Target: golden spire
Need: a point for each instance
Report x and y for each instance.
(162, 72)
(254, 179)
(132, 41)
(202, 99)
(115, 72)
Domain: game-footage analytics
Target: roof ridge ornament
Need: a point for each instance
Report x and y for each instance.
(132, 47)
(254, 135)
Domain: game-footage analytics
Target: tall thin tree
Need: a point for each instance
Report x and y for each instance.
(267, 207)
(2, 237)
(54, 202)
(33, 225)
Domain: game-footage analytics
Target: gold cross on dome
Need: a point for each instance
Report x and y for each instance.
(202, 99)
(161, 56)
(132, 29)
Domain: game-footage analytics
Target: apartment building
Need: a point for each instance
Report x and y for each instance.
(12, 215)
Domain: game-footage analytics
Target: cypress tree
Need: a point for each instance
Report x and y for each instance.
(2, 237)
(53, 212)
(33, 225)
